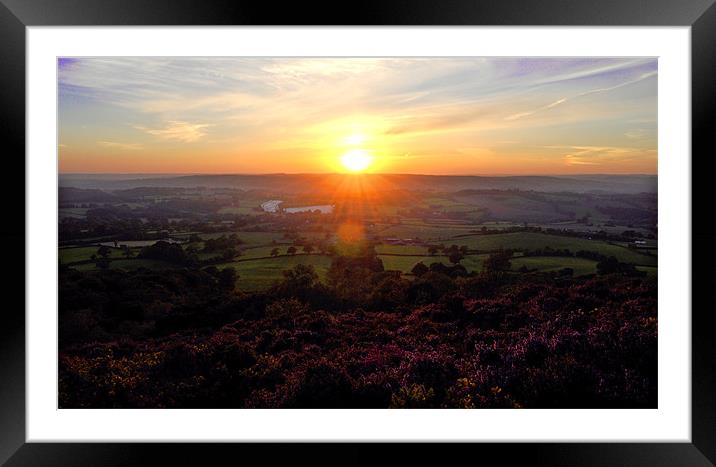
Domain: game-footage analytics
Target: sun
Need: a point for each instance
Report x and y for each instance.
(355, 139)
(356, 160)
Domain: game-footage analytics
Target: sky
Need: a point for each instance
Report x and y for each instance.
(462, 115)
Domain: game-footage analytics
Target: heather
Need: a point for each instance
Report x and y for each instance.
(361, 338)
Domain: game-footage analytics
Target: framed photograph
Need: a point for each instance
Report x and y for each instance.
(468, 224)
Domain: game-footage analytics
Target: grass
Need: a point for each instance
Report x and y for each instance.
(424, 232)
(650, 270)
(581, 266)
(406, 263)
(249, 238)
(237, 210)
(73, 255)
(533, 240)
(402, 249)
(128, 264)
(264, 251)
(262, 273)
(258, 271)
(77, 213)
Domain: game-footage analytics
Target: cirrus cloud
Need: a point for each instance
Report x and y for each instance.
(174, 130)
(122, 146)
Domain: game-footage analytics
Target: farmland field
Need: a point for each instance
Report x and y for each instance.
(580, 266)
(237, 210)
(533, 240)
(248, 238)
(138, 243)
(405, 263)
(423, 232)
(262, 273)
(650, 271)
(402, 249)
(73, 255)
(264, 251)
(129, 264)
(77, 213)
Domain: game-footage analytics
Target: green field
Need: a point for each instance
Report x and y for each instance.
(73, 255)
(76, 213)
(249, 238)
(237, 210)
(128, 264)
(258, 271)
(262, 273)
(405, 263)
(580, 266)
(261, 252)
(422, 231)
(474, 263)
(650, 270)
(402, 249)
(533, 240)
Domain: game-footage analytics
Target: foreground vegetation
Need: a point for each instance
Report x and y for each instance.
(362, 338)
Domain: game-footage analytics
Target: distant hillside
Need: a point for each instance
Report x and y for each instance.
(73, 194)
(304, 183)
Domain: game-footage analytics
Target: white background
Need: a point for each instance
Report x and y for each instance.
(670, 422)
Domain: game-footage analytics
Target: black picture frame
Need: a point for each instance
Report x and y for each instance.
(16, 15)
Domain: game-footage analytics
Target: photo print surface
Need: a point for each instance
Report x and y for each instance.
(454, 232)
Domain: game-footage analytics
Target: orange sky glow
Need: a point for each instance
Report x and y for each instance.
(470, 115)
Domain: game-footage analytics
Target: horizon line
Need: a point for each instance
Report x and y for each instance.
(259, 174)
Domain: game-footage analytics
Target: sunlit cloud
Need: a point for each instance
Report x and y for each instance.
(586, 93)
(177, 131)
(531, 112)
(122, 146)
(638, 133)
(603, 155)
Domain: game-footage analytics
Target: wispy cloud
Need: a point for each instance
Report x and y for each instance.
(581, 94)
(122, 146)
(638, 133)
(184, 132)
(531, 112)
(603, 155)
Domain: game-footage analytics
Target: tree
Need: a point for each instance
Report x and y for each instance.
(498, 261)
(102, 263)
(127, 252)
(611, 265)
(432, 250)
(464, 250)
(228, 254)
(308, 248)
(608, 265)
(104, 251)
(419, 269)
(227, 278)
(291, 250)
(455, 257)
(274, 252)
(452, 249)
(299, 282)
(170, 252)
